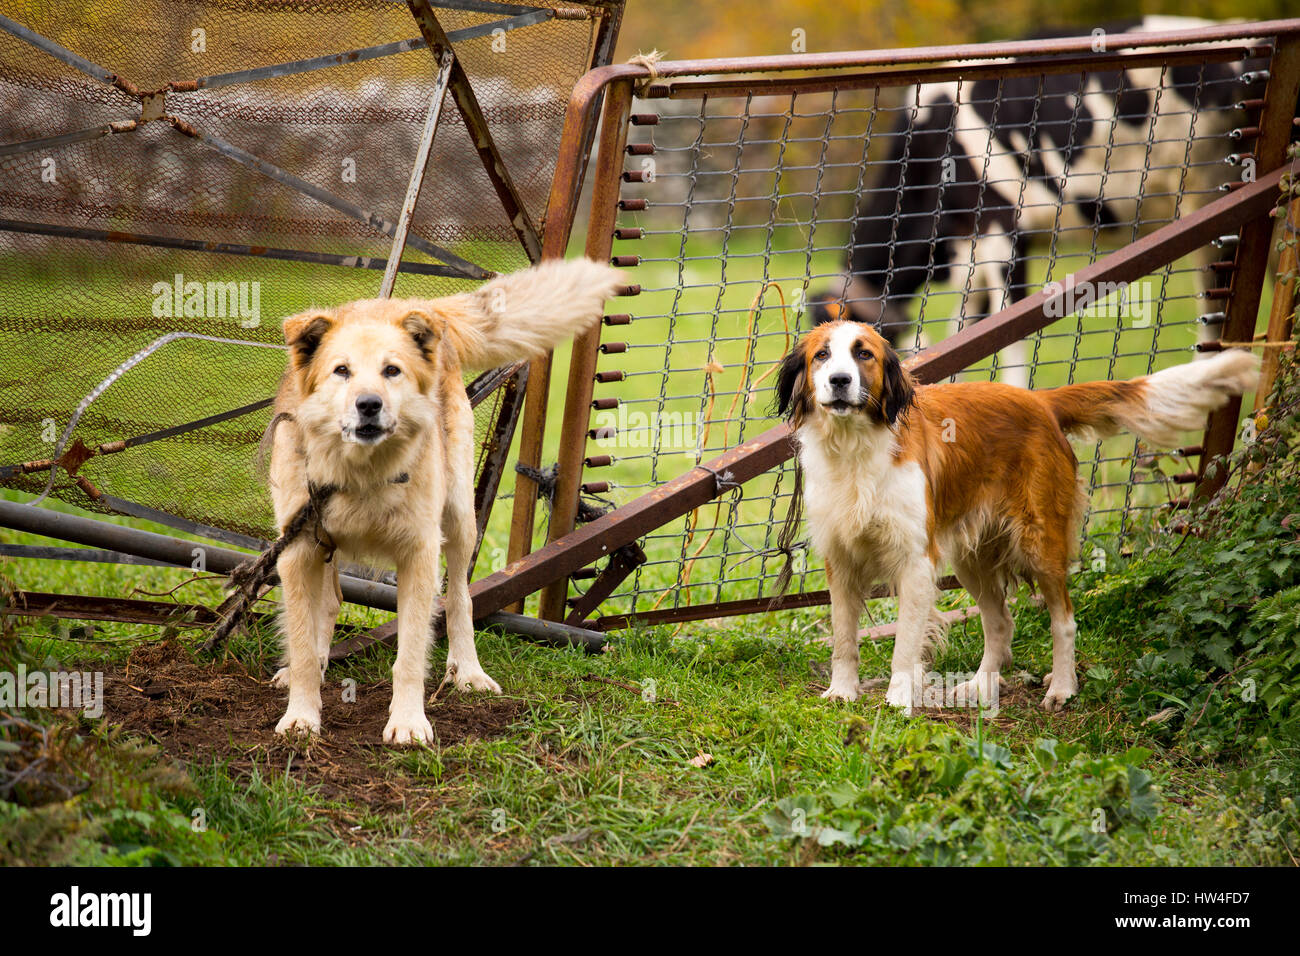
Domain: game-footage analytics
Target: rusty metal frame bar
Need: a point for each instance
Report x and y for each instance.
(67, 139)
(1252, 252)
(116, 447)
(134, 510)
(467, 269)
(782, 86)
(348, 57)
(580, 121)
(484, 144)
(953, 57)
(621, 563)
(80, 607)
(976, 341)
(60, 53)
(418, 171)
(615, 117)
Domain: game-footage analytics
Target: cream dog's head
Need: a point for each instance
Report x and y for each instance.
(366, 375)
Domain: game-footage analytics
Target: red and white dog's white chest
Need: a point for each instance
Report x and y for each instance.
(862, 503)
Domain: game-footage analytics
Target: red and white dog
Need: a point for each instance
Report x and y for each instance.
(900, 476)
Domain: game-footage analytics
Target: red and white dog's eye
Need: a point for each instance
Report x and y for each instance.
(822, 355)
(865, 354)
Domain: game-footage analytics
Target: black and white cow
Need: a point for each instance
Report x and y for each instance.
(978, 174)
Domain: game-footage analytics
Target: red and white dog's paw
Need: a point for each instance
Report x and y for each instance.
(1058, 691)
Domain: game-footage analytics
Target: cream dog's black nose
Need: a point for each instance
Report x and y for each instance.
(369, 405)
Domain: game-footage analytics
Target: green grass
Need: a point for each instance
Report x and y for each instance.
(591, 773)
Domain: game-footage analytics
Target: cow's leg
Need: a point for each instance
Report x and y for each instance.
(997, 260)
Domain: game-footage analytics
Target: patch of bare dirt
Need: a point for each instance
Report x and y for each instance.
(201, 711)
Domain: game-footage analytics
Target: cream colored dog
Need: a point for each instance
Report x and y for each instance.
(373, 404)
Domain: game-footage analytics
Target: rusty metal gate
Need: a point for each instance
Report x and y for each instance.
(730, 190)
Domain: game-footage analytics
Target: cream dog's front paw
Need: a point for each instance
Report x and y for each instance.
(299, 720)
(901, 693)
(405, 729)
(473, 679)
(841, 690)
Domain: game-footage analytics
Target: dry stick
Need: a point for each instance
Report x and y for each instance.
(447, 678)
(628, 687)
(248, 579)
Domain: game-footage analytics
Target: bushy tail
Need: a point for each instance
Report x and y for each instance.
(527, 313)
(1157, 408)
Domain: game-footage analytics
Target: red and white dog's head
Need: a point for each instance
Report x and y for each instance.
(844, 370)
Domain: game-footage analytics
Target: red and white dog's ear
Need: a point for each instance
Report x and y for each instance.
(792, 401)
(897, 393)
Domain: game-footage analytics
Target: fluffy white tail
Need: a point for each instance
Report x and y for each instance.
(1178, 399)
(527, 313)
(1159, 407)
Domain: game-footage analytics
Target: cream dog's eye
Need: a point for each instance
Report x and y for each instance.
(342, 370)
(391, 371)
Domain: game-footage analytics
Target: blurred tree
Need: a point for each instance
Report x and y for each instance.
(690, 29)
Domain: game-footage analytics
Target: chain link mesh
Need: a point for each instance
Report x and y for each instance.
(758, 202)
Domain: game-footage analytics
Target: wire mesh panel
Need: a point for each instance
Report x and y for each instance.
(921, 200)
(210, 167)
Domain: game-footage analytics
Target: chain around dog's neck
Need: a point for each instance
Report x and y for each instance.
(314, 512)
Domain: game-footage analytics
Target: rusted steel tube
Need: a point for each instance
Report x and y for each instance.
(582, 367)
(1252, 253)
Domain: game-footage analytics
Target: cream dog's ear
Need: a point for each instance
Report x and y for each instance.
(303, 334)
(426, 328)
